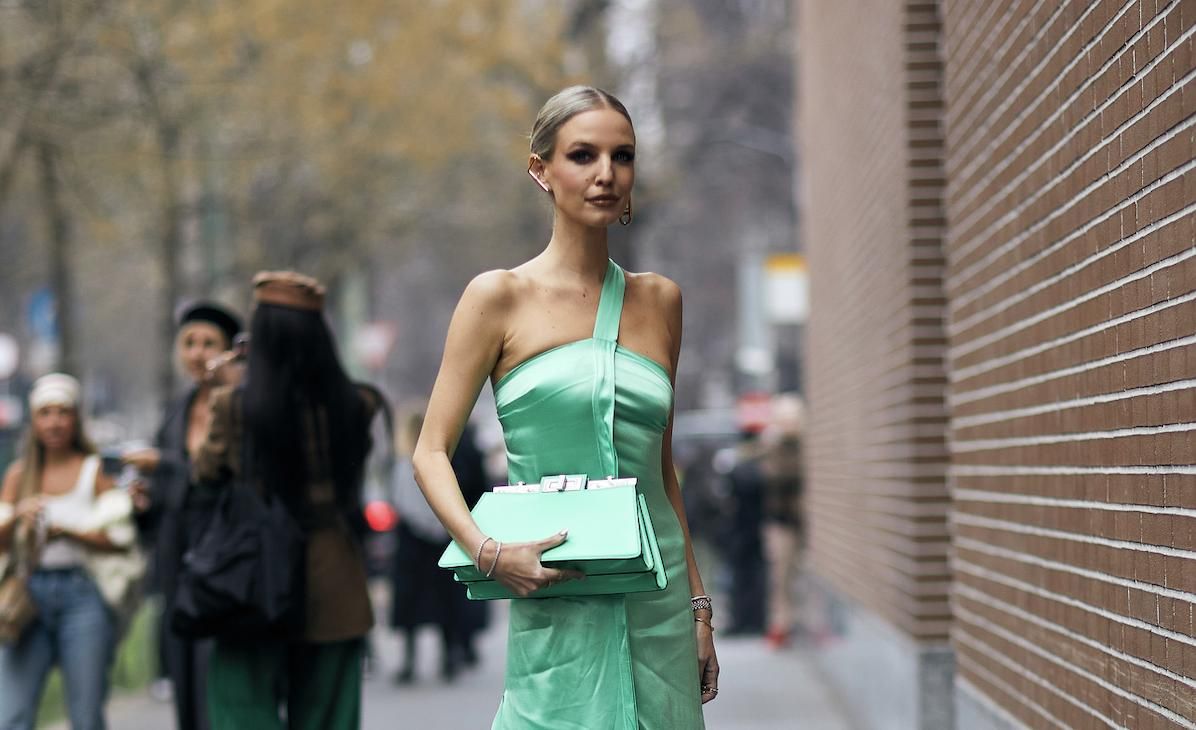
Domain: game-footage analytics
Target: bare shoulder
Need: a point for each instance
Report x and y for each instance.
(12, 480)
(493, 290)
(660, 290)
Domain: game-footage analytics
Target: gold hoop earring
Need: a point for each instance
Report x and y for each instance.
(625, 219)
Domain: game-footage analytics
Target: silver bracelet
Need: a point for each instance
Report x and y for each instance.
(494, 565)
(701, 602)
(477, 561)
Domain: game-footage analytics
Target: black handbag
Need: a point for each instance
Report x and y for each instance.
(245, 576)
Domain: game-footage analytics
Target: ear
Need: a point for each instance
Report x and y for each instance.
(535, 168)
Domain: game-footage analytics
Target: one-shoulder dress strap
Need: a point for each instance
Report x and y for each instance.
(610, 303)
(606, 336)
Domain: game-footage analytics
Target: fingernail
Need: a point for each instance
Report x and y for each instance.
(564, 533)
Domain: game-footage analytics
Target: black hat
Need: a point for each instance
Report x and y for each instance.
(214, 314)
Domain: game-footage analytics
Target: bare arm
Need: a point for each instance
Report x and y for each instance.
(707, 659)
(475, 340)
(8, 496)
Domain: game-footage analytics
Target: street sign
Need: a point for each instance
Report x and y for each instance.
(786, 288)
(43, 314)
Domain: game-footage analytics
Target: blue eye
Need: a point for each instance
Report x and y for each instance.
(624, 156)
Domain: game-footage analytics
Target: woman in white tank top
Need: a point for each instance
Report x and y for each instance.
(56, 483)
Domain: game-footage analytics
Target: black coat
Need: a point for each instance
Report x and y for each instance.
(168, 525)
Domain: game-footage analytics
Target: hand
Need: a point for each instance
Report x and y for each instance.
(139, 494)
(29, 509)
(143, 460)
(53, 531)
(519, 567)
(707, 661)
(224, 369)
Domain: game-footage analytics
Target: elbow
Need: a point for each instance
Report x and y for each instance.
(421, 465)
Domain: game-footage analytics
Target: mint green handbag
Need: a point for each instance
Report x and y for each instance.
(611, 538)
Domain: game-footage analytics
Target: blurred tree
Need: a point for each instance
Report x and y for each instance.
(182, 144)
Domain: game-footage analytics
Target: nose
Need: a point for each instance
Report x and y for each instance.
(605, 174)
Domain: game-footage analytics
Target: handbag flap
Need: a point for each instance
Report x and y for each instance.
(603, 524)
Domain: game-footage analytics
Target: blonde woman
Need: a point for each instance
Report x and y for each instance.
(582, 357)
(58, 483)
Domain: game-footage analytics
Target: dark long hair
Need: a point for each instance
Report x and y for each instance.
(305, 421)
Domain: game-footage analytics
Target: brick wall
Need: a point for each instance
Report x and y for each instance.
(869, 123)
(1072, 285)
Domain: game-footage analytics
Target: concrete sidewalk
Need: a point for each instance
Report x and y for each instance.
(760, 690)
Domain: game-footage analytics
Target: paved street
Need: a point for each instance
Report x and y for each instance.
(761, 690)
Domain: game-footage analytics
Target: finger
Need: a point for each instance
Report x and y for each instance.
(555, 575)
(549, 543)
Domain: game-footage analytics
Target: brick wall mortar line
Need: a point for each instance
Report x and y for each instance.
(995, 524)
(1111, 397)
(982, 237)
(971, 294)
(988, 470)
(958, 374)
(981, 495)
(979, 645)
(979, 26)
(992, 88)
(971, 445)
(1135, 623)
(976, 159)
(985, 598)
(1036, 560)
(1092, 293)
(962, 397)
(1033, 648)
(978, 695)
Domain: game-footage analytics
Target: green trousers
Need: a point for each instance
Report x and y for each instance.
(319, 685)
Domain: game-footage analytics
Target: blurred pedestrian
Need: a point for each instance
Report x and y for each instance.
(421, 593)
(742, 537)
(308, 432)
(172, 510)
(57, 490)
(783, 482)
(471, 617)
(581, 356)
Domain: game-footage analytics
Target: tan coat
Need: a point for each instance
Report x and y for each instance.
(338, 602)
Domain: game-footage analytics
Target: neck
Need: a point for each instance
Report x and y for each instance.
(579, 249)
(57, 456)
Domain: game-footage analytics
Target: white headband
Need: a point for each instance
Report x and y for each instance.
(55, 389)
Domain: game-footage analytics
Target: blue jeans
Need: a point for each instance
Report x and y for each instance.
(73, 629)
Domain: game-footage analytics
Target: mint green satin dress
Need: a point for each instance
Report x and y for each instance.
(622, 662)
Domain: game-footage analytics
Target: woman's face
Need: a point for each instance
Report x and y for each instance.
(592, 169)
(199, 342)
(54, 426)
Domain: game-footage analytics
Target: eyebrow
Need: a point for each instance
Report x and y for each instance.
(590, 145)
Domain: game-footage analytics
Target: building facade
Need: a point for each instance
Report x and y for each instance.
(998, 210)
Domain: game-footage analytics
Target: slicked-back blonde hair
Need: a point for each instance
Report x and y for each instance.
(565, 105)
